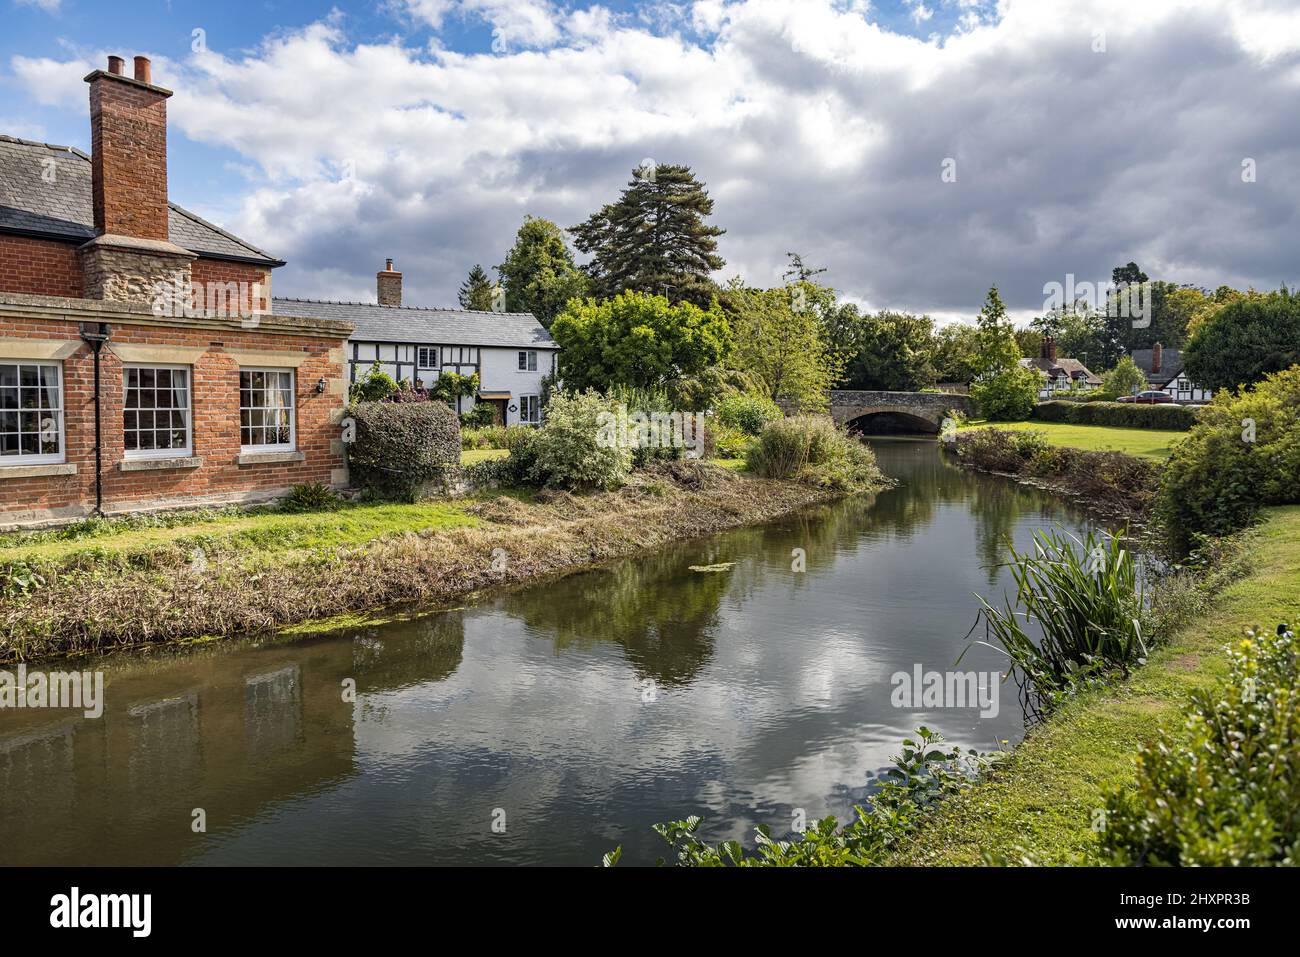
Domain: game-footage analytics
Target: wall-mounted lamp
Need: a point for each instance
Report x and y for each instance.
(321, 386)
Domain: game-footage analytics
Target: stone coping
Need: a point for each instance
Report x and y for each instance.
(150, 465)
(24, 306)
(268, 458)
(36, 471)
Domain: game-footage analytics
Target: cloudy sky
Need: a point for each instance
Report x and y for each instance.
(920, 150)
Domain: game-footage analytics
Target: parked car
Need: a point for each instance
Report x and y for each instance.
(1147, 398)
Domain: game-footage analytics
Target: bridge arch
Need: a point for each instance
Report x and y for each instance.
(897, 411)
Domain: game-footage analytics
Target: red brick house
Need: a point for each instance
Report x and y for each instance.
(202, 397)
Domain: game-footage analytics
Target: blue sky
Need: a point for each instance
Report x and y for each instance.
(337, 134)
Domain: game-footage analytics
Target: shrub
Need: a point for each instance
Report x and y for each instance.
(730, 442)
(312, 497)
(1224, 789)
(747, 412)
(481, 416)
(999, 450)
(400, 446)
(375, 386)
(1129, 415)
(566, 452)
(1007, 396)
(813, 450)
(1243, 453)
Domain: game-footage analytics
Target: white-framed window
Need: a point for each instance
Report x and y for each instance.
(426, 357)
(31, 413)
(156, 411)
(528, 361)
(266, 410)
(530, 409)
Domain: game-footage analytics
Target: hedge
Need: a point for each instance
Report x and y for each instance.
(1177, 418)
(399, 446)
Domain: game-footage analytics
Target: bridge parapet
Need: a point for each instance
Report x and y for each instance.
(928, 407)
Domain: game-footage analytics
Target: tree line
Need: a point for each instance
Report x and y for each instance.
(645, 312)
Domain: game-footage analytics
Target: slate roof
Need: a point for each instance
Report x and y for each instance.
(1071, 367)
(1171, 363)
(63, 209)
(457, 327)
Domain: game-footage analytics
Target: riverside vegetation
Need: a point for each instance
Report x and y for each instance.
(567, 503)
(1165, 746)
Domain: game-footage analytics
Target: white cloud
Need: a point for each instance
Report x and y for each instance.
(49, 6)
(815, 129)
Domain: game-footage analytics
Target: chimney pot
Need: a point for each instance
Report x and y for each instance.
(142, 72)
(115, 64)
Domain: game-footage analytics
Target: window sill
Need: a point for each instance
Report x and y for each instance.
(36, 471)
(268, 458)
(147, 465)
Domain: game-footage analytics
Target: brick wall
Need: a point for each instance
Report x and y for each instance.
(214, 424)
(206, 271)
(39, 267)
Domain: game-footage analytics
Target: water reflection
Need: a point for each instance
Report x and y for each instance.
(770, 692)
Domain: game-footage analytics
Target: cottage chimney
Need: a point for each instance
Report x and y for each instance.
(132, 253)
(1156, 355)
(1048, 349)
(388, 285)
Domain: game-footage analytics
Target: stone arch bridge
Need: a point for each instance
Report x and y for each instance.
(896, 411)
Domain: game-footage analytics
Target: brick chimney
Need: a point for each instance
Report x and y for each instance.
(1048, 350)
(132, 251)
(1157, 353)
(388, 285)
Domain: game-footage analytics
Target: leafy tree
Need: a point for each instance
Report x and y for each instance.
(1125, 379)
(892, 351)
(476, 291)
(996, 349)
(638, 340)
(1080, 333)
(654, 239)
(781, 346)
(1030, 342)
(955, 349)
(1245, 340)
(539, 274)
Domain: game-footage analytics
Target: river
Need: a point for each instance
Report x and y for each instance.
(549, 723)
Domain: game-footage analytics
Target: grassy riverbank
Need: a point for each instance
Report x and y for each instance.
(131, 583)
(1154, 444)
(1038, 803)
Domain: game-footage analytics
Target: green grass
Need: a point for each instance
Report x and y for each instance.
(1146, 443)
(262, 531)
(735, 465)
(1038, 803)
(473, 456)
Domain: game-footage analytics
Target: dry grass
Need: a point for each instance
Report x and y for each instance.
(94, 603)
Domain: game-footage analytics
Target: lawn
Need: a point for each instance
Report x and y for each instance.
(1039, 803)
(1145, 443)
(473, 456)
(260, 531)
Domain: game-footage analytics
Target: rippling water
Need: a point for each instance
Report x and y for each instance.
(551, 723)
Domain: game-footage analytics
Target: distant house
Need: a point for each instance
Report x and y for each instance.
(510, 351)
(1165, 373)
(1060, 375)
